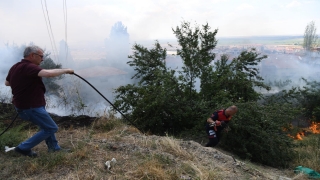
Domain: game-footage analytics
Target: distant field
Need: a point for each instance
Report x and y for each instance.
(266, 40)
(225, 41)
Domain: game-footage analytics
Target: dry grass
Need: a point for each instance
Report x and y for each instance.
(308, 152)
(300, 177)
(151, 169)
(172, 146)
(138, 157)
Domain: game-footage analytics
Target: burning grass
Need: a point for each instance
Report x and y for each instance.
(314, 128)
(308, 147)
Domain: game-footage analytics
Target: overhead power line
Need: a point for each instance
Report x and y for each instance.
(65, 26)
(48, 24)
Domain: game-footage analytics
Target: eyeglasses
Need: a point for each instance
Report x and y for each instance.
(39, 55)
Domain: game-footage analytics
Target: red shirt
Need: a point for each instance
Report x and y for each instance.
(27, 87)
(221, 116)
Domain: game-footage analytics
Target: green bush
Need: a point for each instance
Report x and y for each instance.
(165, 100)
(257, 133)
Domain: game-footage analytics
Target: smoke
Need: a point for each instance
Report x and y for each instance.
(76, 96)
(117, 46)
(105, 74)
(65, 55)
(282, 70)
(9, 55)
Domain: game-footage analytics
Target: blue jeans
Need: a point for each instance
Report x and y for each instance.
(40, 117)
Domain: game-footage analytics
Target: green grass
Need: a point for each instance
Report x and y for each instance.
(13, 136)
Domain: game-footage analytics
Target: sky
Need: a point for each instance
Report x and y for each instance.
(23, 21)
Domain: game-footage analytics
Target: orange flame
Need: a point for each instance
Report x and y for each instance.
(299, 135)
(315, 128)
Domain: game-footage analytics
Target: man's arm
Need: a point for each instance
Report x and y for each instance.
(54, 72)
(213, 118)
(7, 83)
(209, 120)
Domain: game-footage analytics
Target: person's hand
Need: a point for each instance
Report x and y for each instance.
(69, 71)
(218, 123)
(212, 124)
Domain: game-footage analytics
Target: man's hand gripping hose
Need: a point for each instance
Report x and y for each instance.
(215, 124)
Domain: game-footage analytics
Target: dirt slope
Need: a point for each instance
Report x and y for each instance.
(94, 141)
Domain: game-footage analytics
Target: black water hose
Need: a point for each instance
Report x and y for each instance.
(9, 125)
(107, 100)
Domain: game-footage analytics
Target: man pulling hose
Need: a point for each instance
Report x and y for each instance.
(217, 122)
(25, 80)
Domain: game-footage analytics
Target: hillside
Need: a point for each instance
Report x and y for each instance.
(138, 156)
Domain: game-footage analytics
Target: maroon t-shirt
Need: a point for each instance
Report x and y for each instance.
(27, 87)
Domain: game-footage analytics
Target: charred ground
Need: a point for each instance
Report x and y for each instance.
(7, 114)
